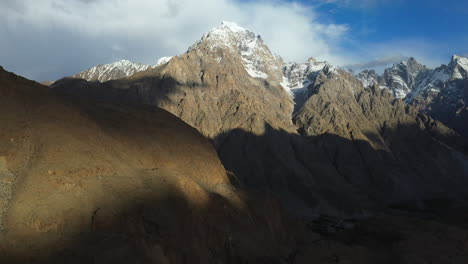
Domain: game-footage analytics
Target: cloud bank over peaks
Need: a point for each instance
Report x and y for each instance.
(48, 39)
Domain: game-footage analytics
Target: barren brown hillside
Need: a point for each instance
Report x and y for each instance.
(84, 183)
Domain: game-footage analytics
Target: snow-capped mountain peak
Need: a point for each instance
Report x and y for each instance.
(368, 78)
(300, 75)
(459, 67)
(402, 77)
(162, 60)
(112, 71)
(117, 70)
(258, 60)
(232, 26)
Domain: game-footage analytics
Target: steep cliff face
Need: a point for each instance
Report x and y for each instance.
(87, 183)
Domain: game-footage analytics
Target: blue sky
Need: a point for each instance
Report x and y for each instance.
(432, 29)
(50, 39)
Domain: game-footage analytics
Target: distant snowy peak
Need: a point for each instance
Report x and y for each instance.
(300, 75)
(403, 77)
(459, 67)
(117, 70)
(162, 61)
(368, 78)
(228, 34)
(409, 79)
(112, 71)
(442, 79)
(257, 58)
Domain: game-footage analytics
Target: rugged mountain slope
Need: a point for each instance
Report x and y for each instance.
(212, 87)
(256, 57)
(86, 183)
(375, 141)
(353, 152)
(438, 92)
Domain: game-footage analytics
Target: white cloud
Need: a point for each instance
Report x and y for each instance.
(47, 39)
(422, 50)
(378, 63)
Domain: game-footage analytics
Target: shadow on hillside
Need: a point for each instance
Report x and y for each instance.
(169, 229)
(145, 90)
(310, 173)
(351, 175)
(174, 229)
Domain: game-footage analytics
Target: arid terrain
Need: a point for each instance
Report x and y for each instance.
(227, 154)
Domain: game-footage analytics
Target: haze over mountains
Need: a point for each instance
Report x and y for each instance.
(329, 145)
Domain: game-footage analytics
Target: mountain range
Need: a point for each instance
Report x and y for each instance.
(278, 125)
(231, 129)
(439, 93)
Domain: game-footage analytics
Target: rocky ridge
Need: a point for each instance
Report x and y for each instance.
(258, 60)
